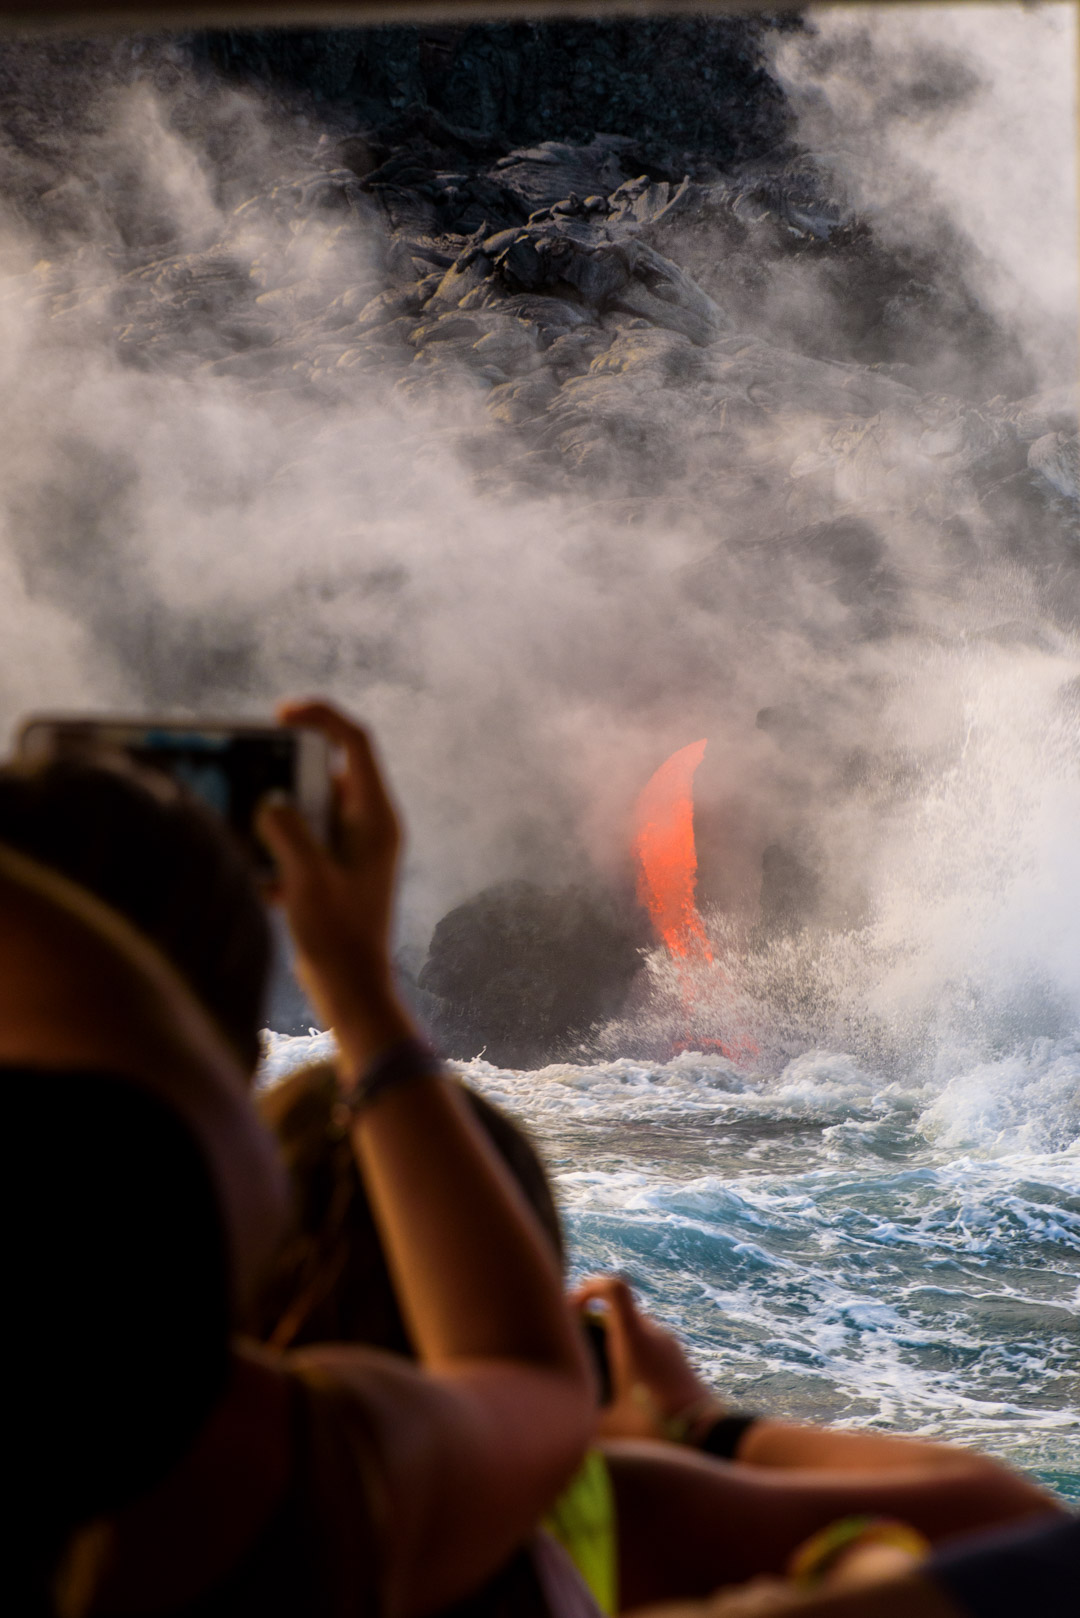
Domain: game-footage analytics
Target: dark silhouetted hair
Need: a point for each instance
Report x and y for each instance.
(151, 851)
(331, 1282)
(118, 1297)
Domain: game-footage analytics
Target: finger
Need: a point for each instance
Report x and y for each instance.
(598, 1286)
(612, 1290)
(624, 1321)
(289, 838)
(365, 787)
(361, 789)
(314, 713)
(585, 1292)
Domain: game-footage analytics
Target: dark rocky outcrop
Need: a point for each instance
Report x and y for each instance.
(609, 295)
(524, 976)
(672, 84)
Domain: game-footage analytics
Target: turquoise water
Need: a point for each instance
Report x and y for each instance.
(834, 1248)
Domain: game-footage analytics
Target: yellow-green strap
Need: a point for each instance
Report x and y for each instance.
(583, 1521)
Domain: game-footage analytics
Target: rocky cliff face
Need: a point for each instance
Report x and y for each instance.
(674, 85)
(660, 310)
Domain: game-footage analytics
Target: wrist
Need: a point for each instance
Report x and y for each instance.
(364, 1028)
(399, 1065)
(692, 1420)
(343, 975)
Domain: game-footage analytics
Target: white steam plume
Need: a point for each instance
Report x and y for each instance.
(177, 535)
(967, 112)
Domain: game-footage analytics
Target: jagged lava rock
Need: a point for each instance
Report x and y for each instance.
(523, 974)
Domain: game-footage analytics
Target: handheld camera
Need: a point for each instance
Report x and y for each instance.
(229, 767)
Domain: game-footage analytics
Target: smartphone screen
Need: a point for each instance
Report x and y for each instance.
(230, 773)
(229, 768)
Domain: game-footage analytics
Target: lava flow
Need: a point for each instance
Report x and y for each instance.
(667, 855)
(667, 876)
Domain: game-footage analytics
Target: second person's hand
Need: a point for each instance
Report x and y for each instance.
(653, 1381)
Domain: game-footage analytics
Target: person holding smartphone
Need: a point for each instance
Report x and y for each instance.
(339, 1480)
(157, 857)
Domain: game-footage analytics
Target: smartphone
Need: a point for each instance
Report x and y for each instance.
(229, 766)
(596, 1337)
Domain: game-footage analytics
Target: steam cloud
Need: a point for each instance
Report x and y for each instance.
(188, 522)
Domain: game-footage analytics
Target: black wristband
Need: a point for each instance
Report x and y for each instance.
(408, 1059)
(724, 1436)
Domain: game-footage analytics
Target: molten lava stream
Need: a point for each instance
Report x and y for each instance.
(667, 877)
(667, 854)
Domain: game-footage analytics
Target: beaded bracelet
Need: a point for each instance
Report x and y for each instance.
(407, 1060)
(816, 1557)
(700, 1428)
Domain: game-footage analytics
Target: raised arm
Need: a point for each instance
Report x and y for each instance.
(689, 1522)
(658, 1394)
(478, 1444)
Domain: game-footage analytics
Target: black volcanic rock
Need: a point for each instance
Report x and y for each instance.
(669, 84)
(523, 975)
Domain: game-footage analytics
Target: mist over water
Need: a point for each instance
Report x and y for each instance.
(209, 500)
(221, 485)
(970, 939)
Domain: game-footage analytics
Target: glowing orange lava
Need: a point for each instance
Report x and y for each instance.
(667, 855)
(667, 877)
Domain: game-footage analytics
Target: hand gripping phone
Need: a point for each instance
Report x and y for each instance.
(229, 766)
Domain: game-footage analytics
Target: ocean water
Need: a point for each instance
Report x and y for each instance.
(868, 1210)
(834, 1244)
